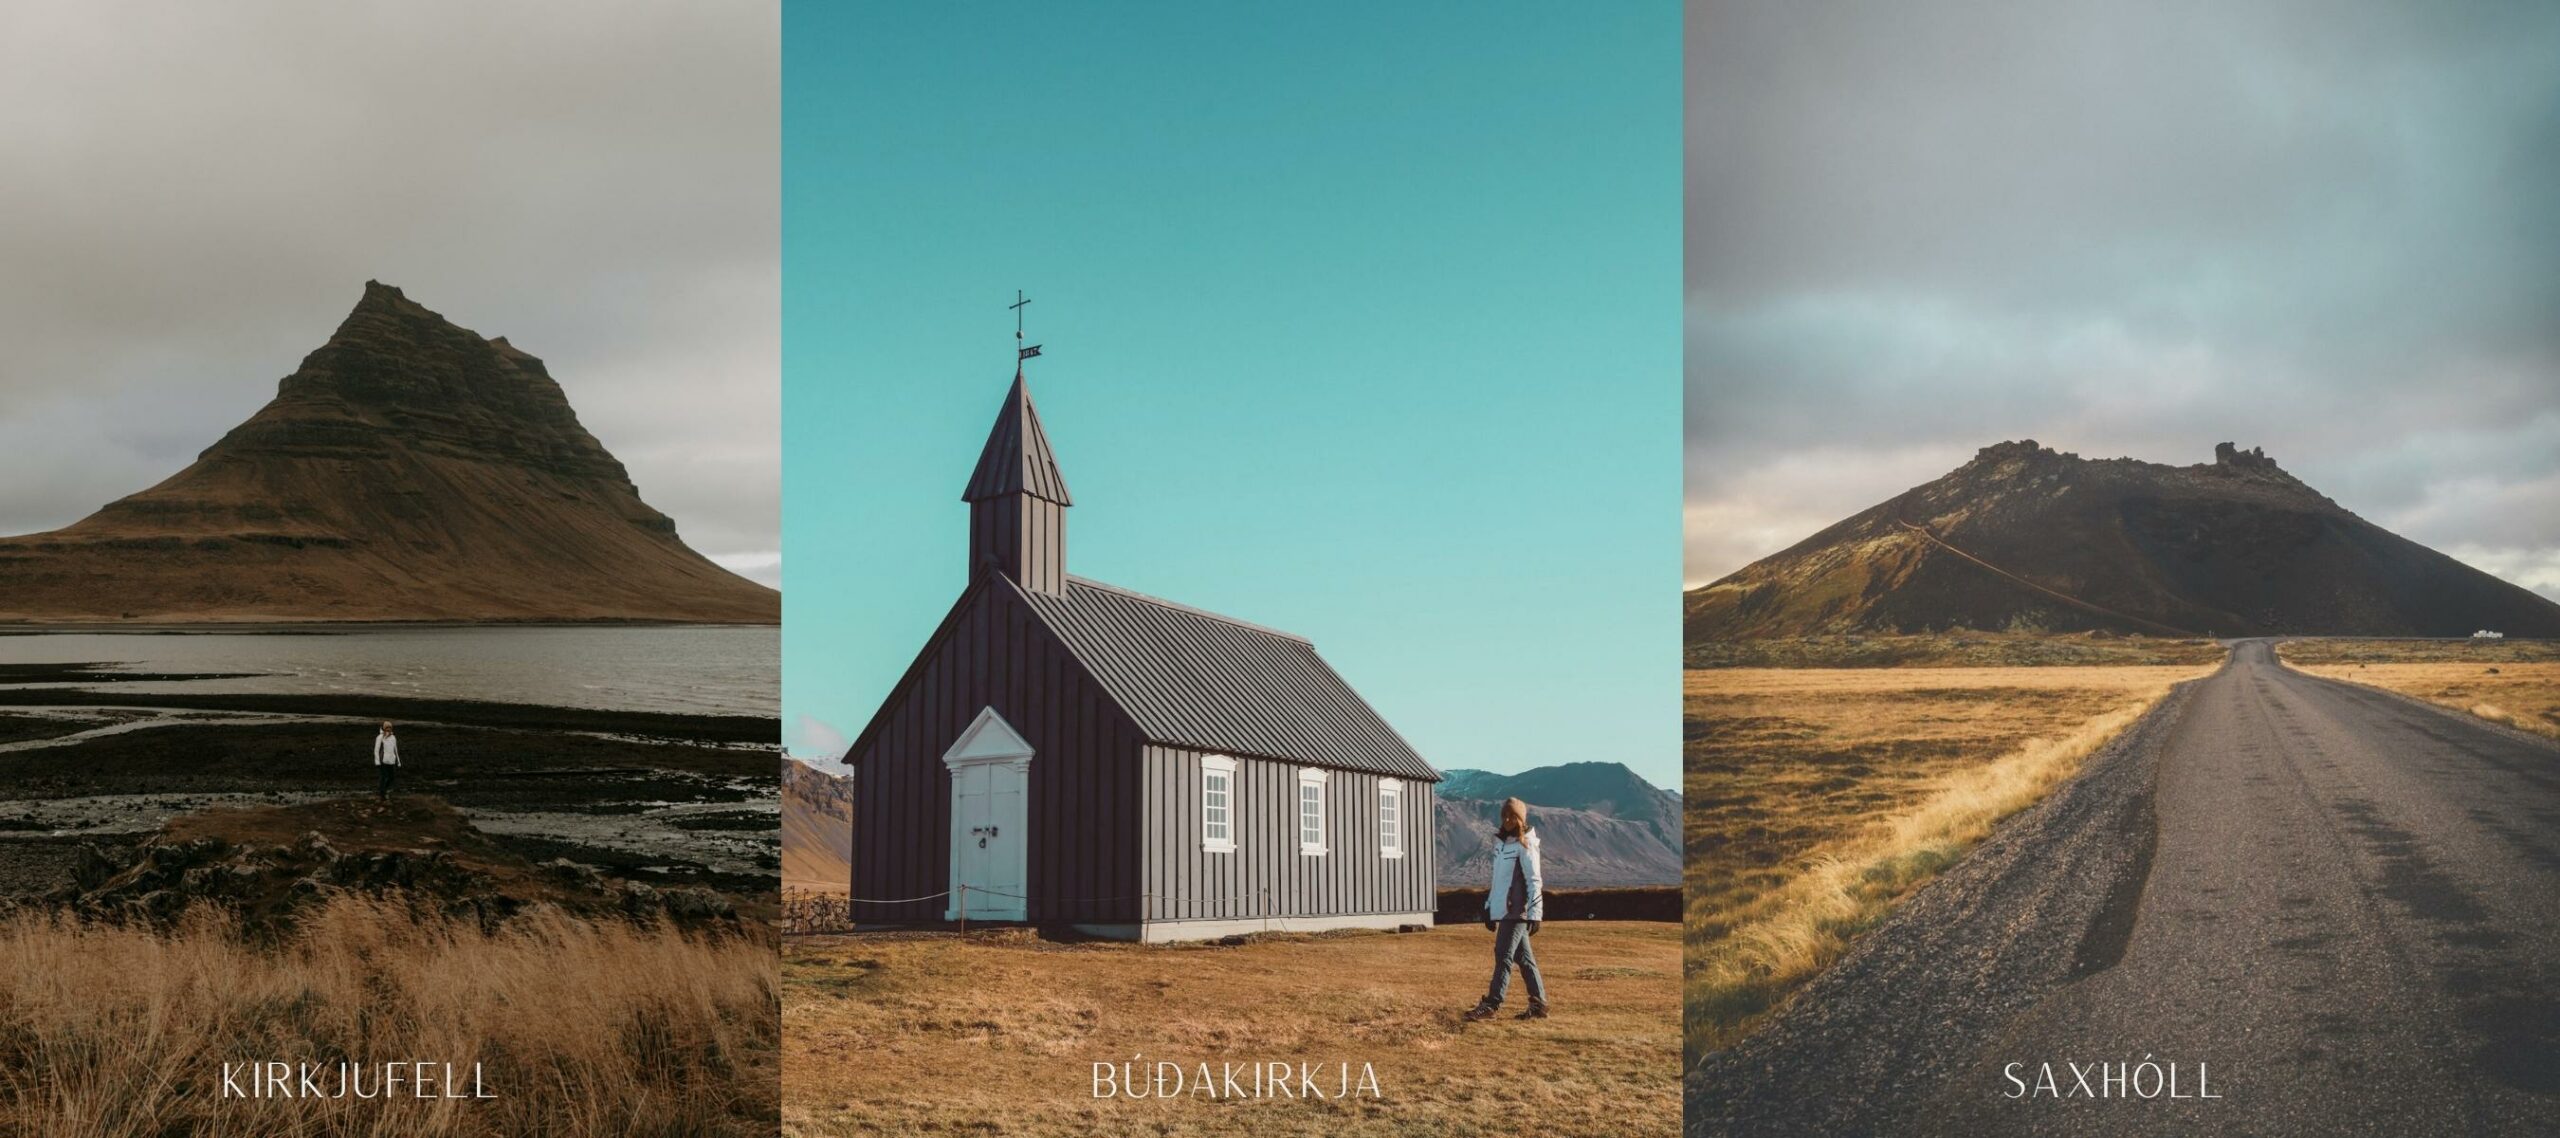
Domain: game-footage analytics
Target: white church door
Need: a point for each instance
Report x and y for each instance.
(990, 795)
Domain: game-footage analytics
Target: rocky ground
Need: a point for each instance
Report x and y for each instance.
(269, 865)
(661, 801)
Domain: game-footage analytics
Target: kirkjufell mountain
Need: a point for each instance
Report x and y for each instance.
(2025, 537)
(408, 470)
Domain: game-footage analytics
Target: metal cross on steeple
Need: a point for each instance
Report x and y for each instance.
(1020, 352)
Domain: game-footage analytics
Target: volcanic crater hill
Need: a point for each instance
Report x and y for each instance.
(408, 470)
(2024, 537)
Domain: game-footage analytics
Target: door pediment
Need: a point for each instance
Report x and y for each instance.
(989, 739)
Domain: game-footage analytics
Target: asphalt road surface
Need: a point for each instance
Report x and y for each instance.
(2336, 909)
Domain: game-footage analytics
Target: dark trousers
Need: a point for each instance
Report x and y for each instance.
(1511, 946)
(383, 773)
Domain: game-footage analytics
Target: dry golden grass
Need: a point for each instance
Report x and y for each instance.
(2513, 682)
(583, 1028)
(1966, 649)
(998, 1033)
(1816, 798)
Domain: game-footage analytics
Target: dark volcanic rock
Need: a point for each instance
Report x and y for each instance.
(2026, 538)
(413, 852)
(408, 470)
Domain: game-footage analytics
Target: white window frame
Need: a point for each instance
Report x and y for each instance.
(1316, 778)
(1391, 818)
(1222, 768)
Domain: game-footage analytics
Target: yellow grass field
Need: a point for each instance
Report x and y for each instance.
(1816, 797)
(585, 1029)
(2515, 682)
(999, 1032)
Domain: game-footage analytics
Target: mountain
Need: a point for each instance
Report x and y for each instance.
(1598, 825)
(817, 828)
(408, 470)
(2022, 537)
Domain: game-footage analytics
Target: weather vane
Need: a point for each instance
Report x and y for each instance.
(1020, 351)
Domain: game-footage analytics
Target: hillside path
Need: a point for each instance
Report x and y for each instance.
(2343, 904)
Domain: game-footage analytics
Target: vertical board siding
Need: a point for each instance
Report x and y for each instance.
(1083, 854)
(1267, 876)
(1021, 537)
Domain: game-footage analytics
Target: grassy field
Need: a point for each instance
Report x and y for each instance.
(999, 1032)
(584, 1028)
(2515, 682)
(1952, 650)
(1816, 797)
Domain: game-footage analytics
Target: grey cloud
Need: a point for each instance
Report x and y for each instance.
(2324, 228)
(191, 196)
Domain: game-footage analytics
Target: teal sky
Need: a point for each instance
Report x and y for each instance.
(1361, 321)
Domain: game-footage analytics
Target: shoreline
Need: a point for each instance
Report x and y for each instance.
(657, 798)
(409, 709)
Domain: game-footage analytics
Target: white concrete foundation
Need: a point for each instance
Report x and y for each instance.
(1159, 932)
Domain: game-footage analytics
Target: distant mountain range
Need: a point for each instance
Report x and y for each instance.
(409, 469)
(2023, 537)
(1598, 825)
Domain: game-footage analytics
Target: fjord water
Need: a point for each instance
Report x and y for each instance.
(687, 669)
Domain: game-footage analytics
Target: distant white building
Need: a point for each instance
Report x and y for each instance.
(2485, 634)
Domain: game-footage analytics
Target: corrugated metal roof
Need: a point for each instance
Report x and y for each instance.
(1192, 678)
(1017, 458)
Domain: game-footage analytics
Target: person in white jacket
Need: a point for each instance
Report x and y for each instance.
(386, 761)
(1514, 906)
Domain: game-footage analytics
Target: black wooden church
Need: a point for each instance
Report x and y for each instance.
(1066, 752)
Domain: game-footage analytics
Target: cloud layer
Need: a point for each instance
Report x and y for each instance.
(191, 196)
(2326, 229)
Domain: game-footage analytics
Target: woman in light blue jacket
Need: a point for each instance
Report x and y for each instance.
(1514, 905)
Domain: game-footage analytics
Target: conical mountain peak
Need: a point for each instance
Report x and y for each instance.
(380, 297)
(408, 469)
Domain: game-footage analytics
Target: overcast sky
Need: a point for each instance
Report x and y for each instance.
(193, 195)
(2328, 229)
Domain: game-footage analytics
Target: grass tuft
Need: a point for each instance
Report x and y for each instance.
(583, 1028)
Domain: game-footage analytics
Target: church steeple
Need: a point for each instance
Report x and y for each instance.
(1018, 500)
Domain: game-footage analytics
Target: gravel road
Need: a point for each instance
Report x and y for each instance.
(2334, 909)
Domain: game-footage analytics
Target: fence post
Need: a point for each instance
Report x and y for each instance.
(964, 908)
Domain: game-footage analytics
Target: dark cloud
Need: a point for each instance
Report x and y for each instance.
(192, 195)
(2323, 228)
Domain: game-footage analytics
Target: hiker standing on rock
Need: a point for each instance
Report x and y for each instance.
(1514, 905)
(386, 761)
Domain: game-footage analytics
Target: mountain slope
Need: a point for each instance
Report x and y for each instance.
(1598, 825)
(2024, 537)
(817, 828)
(407, 470)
